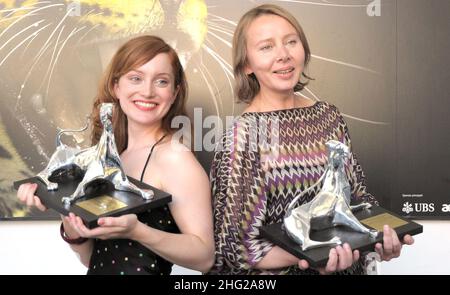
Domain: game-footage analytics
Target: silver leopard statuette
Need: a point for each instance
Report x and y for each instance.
(329, 208)
(98, 162)
(61, 162)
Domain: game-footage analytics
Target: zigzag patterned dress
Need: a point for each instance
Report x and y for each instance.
(265, 159)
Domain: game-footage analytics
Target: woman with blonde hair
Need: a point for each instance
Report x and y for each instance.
(255, 175)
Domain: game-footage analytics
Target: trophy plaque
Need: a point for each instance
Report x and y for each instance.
(101, 199)
(310, 230)
(374, 218)
(91, 182)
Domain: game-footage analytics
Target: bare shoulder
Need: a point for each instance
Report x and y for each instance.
(175, 155)
(179, 170)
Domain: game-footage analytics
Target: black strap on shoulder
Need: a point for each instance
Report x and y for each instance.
(149, 155)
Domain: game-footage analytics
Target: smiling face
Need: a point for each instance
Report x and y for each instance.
(275, 54)
(147, 92)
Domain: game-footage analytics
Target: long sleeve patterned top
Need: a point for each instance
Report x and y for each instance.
(262, 162)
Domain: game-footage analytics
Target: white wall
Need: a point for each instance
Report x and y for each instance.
(429, 255)
(35, 247)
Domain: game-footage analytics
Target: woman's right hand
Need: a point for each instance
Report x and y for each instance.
(339, 259)
(26, 195)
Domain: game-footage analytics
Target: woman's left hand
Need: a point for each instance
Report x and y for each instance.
(109, 227)
(391, 247)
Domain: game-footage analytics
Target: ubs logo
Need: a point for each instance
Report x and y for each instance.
(420, 207)
(407, 208)
(424, 207)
